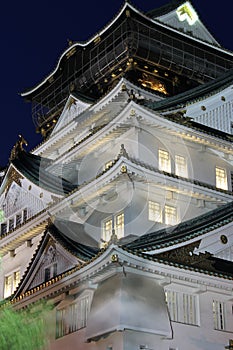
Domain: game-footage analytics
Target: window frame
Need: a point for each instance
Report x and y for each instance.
(219, 315)
(178, 167)
(112, 220)
(162, 161)
(73, 317)
(162, 214)
(14, 282)
(152, 211)
(183, 307)
(221, 182)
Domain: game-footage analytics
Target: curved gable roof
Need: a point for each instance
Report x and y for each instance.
(33, 167)
(185, 231)
(201, 91)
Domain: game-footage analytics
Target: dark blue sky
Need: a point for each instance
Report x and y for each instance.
(34, 35)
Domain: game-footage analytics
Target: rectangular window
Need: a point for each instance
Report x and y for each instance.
(164, 161)
(16, 279)
(11, 224)
(107, 230)
(221, 178)
(119, 225)
(25, 215)
(219, 315)
(182, 307)
(18, 219)
(73, 317)
(155, 212)
(83, 311)
(172, 304)
(3, 228)
(181, 166)
(11, 283)
(8, 284)
(170, 215)
(116, 222)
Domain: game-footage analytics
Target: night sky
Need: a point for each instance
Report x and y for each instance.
(35, 34)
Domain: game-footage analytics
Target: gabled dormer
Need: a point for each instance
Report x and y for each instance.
(56, 254)
(20, 199)
(73, 107)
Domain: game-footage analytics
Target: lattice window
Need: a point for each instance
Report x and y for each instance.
(72, 317)
(182, 307)
(219, 315)
(181, 166)
(170, 215)
(119, 225)
(155, 212)
(164, 161)
(107, 229)
(117, 222)
(221, 178)
(10, 283)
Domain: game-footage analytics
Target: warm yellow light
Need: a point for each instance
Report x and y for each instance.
(187, 12)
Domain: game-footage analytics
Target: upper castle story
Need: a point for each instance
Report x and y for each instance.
(167, 51)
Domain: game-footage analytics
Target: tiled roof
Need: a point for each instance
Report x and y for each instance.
(81, 251)
(199, 92)
(33, 168)
(184, 231)
(163, 10)
(78, 249)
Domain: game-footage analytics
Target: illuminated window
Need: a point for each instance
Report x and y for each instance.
(219, 315)
(116, 222)
(181, 166)
(107, 230)
(72, 317)
(221, 178)
(119, 225)
(11, 282)
(164, 161)
(16, 279)
(170, 215)
(155, 212)
(182, 307)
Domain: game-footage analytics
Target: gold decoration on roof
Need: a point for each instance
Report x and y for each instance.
(97, 39)
(70, 53)
(13, 176)
(186, 12)
(18, 147)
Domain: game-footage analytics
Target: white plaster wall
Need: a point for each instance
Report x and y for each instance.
(23, 256)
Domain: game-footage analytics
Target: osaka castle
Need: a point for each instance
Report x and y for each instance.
(121, 218)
